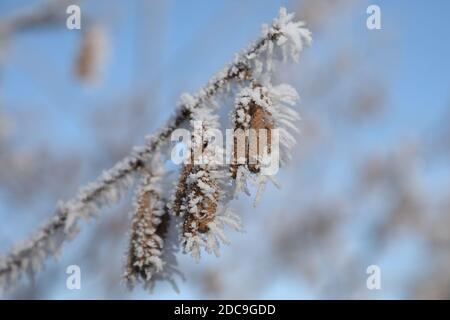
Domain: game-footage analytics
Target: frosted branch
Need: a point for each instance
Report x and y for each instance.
(283, 38)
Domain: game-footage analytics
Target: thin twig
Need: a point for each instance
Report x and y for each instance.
(29, 256)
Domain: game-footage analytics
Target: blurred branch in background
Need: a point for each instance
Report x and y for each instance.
(46, 14)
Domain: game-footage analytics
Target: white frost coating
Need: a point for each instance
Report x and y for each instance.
(29, 256)
(206, 187)
(292, 36)
(210, 241)
(151, 255)
(283, 38)
(283, 97)
(276, 101)
(170, 269)
(146, 243)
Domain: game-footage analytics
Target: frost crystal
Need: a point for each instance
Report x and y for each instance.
(290, 35)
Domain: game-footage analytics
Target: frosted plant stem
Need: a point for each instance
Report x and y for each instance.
(29, 256)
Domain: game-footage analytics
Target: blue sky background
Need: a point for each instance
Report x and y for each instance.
(420, 31)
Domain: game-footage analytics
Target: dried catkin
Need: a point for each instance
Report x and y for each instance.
(262, 113)
(149, 229)
(176, 206)
(92, 53)
(200, 196)
(253, 125)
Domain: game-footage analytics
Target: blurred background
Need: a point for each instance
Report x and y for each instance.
(369, 183)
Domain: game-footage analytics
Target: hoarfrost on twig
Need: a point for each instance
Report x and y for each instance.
(283, 39)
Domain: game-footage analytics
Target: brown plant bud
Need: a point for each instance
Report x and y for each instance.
(253, 125)
(176, 206)
(148, 232)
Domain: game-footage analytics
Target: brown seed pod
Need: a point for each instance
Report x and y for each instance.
(260, 139)
(148, 232)
(176, 206)
(253, 125)
(92, 54)
(206, 208)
